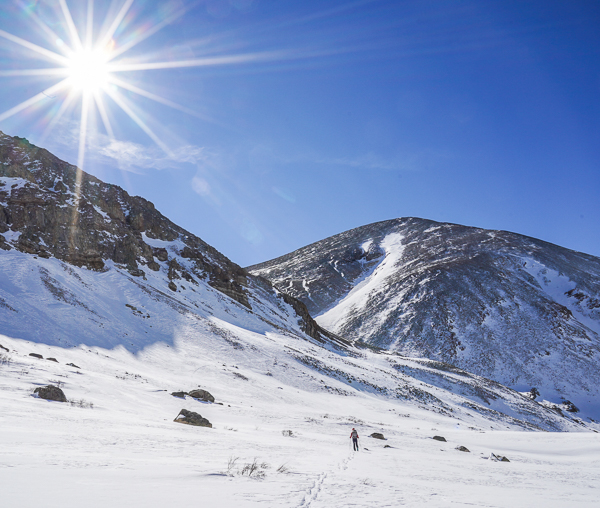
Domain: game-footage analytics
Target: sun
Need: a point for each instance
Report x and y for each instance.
(91, 70)
(88, 70)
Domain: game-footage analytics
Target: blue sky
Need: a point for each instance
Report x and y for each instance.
(310, 118)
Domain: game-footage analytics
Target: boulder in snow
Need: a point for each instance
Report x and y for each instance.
(377, 435)
(201, 395)
(191, 418)
(180, 395)
(36, 355)
(463, 449)
(50, 393)
(439, 438)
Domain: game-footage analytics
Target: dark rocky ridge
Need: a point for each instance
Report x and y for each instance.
(59, 211)
(505, 306)
(77, 218)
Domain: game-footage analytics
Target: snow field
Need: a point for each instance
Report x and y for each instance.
(127, 451)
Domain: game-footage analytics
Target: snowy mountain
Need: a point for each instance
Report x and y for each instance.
(514, 309)
(105, 298)
(84, 262)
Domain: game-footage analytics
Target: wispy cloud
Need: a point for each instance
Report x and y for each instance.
(128, 155)
(131, 155)
(368, 161)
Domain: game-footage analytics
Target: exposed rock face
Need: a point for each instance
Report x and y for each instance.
(514, 309)
(63, 212)
(51, 393)
(191, 418)
(50, 209)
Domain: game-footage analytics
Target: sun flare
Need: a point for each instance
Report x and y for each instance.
(88, 70)
(92, 73)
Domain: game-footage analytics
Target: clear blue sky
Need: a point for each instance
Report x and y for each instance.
(334, 114)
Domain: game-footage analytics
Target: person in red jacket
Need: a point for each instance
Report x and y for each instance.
(354, 436)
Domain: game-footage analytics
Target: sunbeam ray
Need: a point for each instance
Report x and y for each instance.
(58, 115)
(149, 95)
(104, 115)
(34, 47)
(33, 100)
(89, 28)
(115, 24)
(55, 71)
(85, 108)
(202, 62)
(51, 34)
(120, 101)
(71, 25)
(149, 32)
(85, 102)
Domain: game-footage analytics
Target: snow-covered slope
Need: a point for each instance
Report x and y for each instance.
(511, 308)
(287, 406)
(82, 262)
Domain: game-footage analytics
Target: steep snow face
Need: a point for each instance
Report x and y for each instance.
(517, 310)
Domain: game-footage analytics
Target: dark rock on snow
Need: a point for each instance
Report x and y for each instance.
(439, 438)
(377, 435)
(73, 365)
(180, 395)
(191, 418)
(36, 355)
(52, 360)
(201, 395)
(50, 393)
(2, 347)
(463, 449)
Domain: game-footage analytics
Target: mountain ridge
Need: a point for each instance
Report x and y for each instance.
(49, 209)
(512, 308)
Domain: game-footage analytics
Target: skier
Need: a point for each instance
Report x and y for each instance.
(354, 436)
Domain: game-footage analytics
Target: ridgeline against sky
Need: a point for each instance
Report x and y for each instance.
(262, 126)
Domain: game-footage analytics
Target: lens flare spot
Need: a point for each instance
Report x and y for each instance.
(88, 70)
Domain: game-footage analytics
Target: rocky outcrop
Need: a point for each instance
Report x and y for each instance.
(377, 435)
(64, 212)
(49, 208)
(50, 392)
(191, 418)
(439, 438)
(198, 394)
(201, 395)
